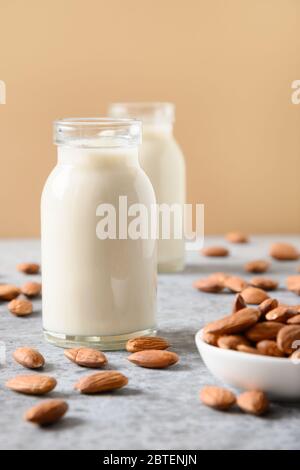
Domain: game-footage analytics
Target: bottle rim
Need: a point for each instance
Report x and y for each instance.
(152, 112)
(97, 132)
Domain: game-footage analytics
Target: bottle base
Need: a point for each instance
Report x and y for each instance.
(105, 343)
(171, 266)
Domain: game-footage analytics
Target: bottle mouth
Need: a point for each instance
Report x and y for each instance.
(148, 113)
(94, 132)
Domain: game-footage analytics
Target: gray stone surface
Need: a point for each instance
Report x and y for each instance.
(159, 409)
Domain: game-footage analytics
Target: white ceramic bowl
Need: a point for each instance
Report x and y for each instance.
(278, 377)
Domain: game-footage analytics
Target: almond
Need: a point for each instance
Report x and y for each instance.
(146, 342)
(236, 237)
(28, 268)
(295, 320)
(232, 341)
(268, 347)
(210, 338)
(154, 359)
(31, 289)
(288, 338)
(280, 314)
(295, 356)
(101, 382)
(86, 357)
(284, 252)
(240, 321)
(235, 283)
(217, 397)
(267, 305)
(264, 283)
(32, 384)
(46, 412)
(239, 303)
(247, 349)
(219, 277)
(20, 307)
(253, 295)
(257, 266)
(215, 251)
(254, 402)
(9, 292)
(263, 330)
(209, 285)
(293, 284)
(28, 357)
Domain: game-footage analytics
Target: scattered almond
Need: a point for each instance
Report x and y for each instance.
(247, 349)
(86, 357)
(28, 268)
(215, 251)
(267, 305)
(235, 283)
(20, 307)
(232, 341)
(254, 295)
(209, 285)
(293, 283)
(264, 283)
(254, 402)
(240, 321)
(154, 359)
(28, 357)
(46, 412)
(31, 289)
(9, 292)
(101, 382)
(238, 304)
(146, 342)
(236, 237)
(288, 338)
(268, 347)
(217, 397)
(284, 252)
(257, 266)
(219, 277)
(263, 330)
(32, 384)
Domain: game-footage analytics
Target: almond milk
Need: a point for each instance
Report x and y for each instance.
(99, 292)
(163, 161)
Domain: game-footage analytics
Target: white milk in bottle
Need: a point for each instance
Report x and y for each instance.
(163, 161)
(96, 291)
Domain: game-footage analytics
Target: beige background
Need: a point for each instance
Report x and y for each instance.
(227, 64)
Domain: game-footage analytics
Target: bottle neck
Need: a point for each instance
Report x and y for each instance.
(165, 129)
(104, 157)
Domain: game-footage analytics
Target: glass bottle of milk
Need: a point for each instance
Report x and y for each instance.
(163, 161)
(99, 288)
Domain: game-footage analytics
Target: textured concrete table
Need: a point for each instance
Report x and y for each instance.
(159, 409)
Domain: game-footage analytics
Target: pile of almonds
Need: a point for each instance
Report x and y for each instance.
(148, 352)
(270, 329)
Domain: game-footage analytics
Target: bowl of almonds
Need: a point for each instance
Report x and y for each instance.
(255, 348)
